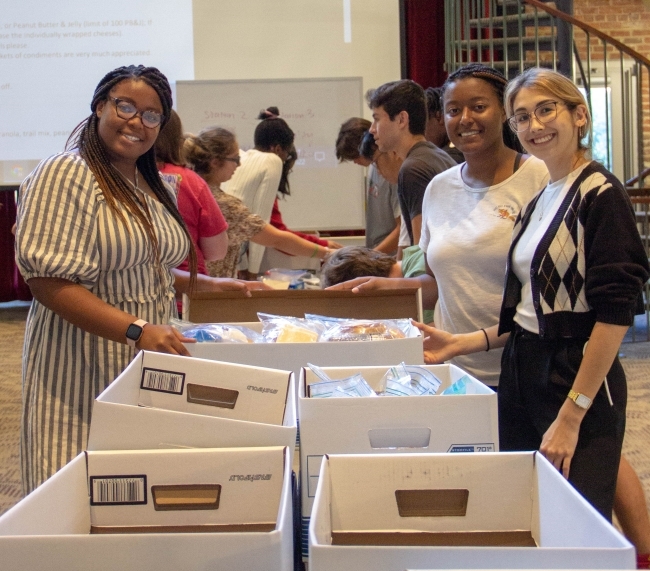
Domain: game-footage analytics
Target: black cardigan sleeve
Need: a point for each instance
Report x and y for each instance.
(616, 261)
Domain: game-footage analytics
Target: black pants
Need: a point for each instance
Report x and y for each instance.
(536, 376)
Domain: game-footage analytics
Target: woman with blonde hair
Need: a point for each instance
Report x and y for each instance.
(574, 275)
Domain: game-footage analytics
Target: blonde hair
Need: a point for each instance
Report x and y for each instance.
(559, 87)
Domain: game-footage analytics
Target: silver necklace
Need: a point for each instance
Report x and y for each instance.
(135, 186)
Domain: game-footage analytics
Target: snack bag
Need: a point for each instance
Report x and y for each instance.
(414, 380)
(367, 330)
(354, 386)
(281, 329)
(462, 386)
(216, 332)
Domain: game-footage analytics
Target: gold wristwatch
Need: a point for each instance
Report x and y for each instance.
(583, 401)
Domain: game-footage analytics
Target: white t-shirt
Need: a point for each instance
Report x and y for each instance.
(466, 234)
(256, 184)
(522, 257)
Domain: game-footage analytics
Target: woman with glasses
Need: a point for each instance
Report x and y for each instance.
(574, 275)
(214, 155)
(98, 238)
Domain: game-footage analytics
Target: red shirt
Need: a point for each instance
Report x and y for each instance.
(197, 207)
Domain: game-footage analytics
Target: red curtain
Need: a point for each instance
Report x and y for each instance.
(424, 36)
(12, 285)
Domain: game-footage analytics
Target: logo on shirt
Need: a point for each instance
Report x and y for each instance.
(505, 212)
(373, 191)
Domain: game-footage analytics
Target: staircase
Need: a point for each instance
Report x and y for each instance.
(513, 35)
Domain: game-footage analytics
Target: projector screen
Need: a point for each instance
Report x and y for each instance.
(53, 54)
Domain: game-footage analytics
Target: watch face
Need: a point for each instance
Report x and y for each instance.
(133, 332)
(583, 401)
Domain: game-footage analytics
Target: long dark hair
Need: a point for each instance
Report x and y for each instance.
(115, 188)
(498, 82)
(169, 143)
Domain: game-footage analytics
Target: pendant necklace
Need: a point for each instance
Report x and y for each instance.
(135, 186)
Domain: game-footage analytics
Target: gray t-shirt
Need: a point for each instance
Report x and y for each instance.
(382, 207)
(422, 163)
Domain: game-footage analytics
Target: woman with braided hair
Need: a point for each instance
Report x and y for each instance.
(98, 238)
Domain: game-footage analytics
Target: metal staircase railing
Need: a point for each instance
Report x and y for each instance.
(512, 35)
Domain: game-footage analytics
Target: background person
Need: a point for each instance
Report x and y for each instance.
(382, 203)
(197, 206)
(257, 180)
(98, 236)
(436, 132)
(352, 262)
(214, 155)
(399, 120)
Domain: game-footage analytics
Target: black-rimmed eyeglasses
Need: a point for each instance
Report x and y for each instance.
(544, 113)
(236, 160)
(126, 110)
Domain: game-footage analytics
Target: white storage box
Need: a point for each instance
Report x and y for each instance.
(136, 510)
(509, 510)
(118, 423)
(390, 424)
(294, 356)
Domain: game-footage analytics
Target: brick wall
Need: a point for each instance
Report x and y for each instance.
(627, 21)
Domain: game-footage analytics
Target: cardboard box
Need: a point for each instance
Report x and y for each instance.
(118, 423)
(220, 307)
(456, 511)
(294, 356)
(58, 528)
(380, 425)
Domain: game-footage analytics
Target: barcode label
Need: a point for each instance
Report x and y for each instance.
(118, 490)
(162, 381)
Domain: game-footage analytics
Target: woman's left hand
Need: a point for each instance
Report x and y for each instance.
(559, 442)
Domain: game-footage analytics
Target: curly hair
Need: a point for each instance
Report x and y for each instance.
(211, 143)
(354, 262)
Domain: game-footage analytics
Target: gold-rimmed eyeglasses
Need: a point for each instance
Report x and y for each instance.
(544, 113)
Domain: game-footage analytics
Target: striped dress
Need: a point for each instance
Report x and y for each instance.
(66, 230)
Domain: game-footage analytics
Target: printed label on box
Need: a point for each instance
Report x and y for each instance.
(486, 447)
(162, 381)
(313, 470)
(118, 490)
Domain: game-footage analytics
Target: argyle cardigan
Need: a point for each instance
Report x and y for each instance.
(589, 266)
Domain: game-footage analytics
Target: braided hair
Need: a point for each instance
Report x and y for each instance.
(498, 82)
(85, 137)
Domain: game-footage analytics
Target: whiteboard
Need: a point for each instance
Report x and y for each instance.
(325, 195)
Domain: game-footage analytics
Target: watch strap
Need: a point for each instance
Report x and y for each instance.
(583, 401)
(139, 323)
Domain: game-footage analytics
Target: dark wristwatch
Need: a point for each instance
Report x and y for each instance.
(134, 332)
